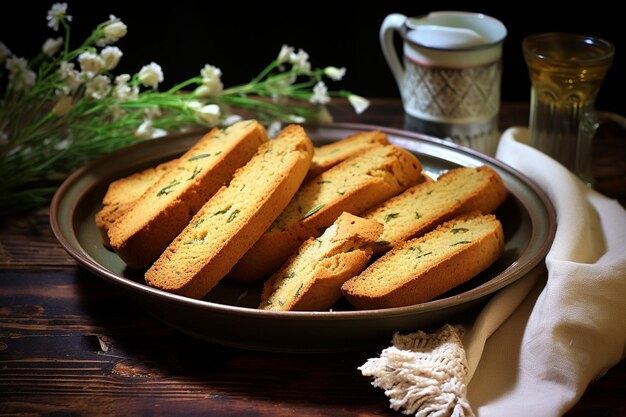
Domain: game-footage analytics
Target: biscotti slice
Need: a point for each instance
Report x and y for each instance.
(354, 185)
(311, 278)
(420, 269)
(421, 208)
(235, 217)
(327, 156)
(144, 231)
(122, 193)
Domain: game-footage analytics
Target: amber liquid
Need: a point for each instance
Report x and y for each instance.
(566, 77)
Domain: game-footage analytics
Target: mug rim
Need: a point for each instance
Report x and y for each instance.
(406, 27)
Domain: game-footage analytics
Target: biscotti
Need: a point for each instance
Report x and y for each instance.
(122, 193)
(421, 269)
(231, 221)
(143, 232)
(311, 278)
(423, 207)
(354, 185)
(329, 155)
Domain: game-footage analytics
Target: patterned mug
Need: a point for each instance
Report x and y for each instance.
(450, 77)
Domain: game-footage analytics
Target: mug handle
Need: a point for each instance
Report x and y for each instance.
(392, 23)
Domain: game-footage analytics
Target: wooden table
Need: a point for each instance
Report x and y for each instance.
(73, 344)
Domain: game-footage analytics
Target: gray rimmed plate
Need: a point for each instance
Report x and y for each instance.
(228, 315)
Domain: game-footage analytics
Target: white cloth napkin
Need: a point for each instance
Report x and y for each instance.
(537, 344)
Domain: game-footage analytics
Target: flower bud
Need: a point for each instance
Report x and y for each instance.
(151, 75)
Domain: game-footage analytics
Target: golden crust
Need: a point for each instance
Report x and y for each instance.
(354, 185)
(423, 207)
(421, 269)
(143, 232)
(311, 278)
(230, 222)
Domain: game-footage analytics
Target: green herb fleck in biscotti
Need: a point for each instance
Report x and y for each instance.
(196, 241)
(456, 230)
(297, 294)
(313, 210)
(168, 188)
(341, 192)
(429, 192)
(232, 216)
(223, 211)
(390, 216)
(290, 275)
(199, 156)
(420, 254)
(418, 215)
(195, 172)
(324, 182)
(382, 242)
(461, 242)
(198, 222)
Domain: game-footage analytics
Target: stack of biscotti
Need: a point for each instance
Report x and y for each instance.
(231, 221)
(141, 234)
(311, 278)
(122, 194)
(423, 268)
(329, 155)
(423, 207)
(354, 185)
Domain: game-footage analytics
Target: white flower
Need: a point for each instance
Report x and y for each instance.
(4, 52)
(231, 119)
(360, 104)
(98, 87)
(19, 74)
(294, 118)
(152, 112)
(90, 63)
(62, 145)
(52, 46)
(122, 91)
(320, 94)
(211, 82)
(300, 61)
(113, 30)
(147, 131)
(274, 129)
(209, 113)
(57, 14)
(285, 54)
(111, 56)
(335, 73)
(70, 77)
(151, 75)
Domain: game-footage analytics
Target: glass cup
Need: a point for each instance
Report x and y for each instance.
(566, 72)
(449, 76)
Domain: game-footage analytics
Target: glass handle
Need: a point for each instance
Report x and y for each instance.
(606, 116)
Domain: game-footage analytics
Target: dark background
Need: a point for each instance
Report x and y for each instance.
(242, 37)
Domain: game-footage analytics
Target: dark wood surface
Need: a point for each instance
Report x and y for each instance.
(72, 344)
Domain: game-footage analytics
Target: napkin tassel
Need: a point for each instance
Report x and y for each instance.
(424, 374)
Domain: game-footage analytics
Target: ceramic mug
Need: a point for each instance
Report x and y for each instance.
(450, 76)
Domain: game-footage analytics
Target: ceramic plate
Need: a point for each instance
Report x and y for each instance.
(228, 315)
